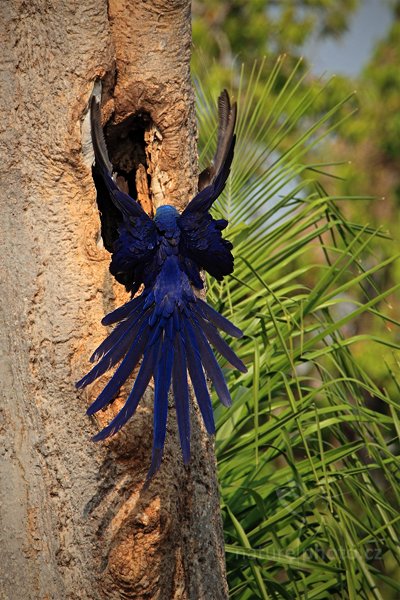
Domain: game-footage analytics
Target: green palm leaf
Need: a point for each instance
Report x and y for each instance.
(307, 453)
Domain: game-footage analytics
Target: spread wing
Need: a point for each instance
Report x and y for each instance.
(127, 231)
(226, 126)
(201, 238)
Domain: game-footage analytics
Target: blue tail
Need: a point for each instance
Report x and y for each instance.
(171, 346)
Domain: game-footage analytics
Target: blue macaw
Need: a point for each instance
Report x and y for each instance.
(167, 323)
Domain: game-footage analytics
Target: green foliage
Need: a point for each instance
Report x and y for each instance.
(371, 140)
(307, 453)
(225, 29)
(228, 33)
(379, 117)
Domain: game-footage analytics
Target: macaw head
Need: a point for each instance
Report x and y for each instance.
(166, 217)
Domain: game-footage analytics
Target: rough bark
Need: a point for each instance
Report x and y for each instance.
(75, 520)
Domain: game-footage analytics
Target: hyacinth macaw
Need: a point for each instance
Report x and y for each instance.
(167, 324)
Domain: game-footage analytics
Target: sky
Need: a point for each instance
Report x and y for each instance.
(348, 54)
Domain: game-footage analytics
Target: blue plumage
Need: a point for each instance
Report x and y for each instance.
(167, 325)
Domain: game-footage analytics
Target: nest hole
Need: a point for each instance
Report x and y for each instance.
(127, 149)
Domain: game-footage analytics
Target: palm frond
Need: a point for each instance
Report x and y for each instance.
(307, 454)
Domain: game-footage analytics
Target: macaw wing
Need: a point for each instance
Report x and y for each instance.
(213, 179)
(226, 127)
(134, 253)
(128, 232)
(202, 243)
(201, 238)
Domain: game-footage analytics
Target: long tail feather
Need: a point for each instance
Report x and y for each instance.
(122, 373)
(218, 320)
(222, 347)
(114, 353)
(126, 328)
(211, 366)
(198, 379)
(162, 380)
(139, 387)
(181, 394)
(171, 344)
(133, 306)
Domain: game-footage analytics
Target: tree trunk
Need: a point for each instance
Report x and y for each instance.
(76, 522)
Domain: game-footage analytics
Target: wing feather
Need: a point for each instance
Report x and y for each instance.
(128, 232)
(201, 240)
(226, 126)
